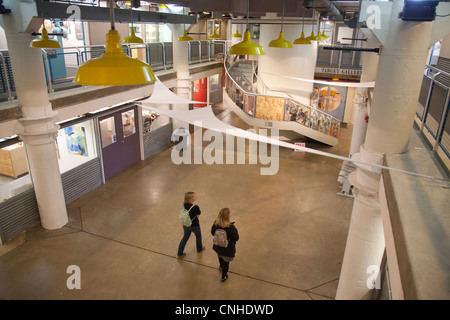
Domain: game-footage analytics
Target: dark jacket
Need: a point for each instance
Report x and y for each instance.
(193, 213)
(232, 235)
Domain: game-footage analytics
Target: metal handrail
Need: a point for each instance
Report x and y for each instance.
(445, 110)
(282, 97)
(8, 87)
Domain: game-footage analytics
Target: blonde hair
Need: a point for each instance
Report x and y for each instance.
(223, 219)
(188, 196)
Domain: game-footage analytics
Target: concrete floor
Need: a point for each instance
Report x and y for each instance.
(124, 235)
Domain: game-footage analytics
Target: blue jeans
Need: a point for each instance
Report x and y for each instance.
(187, 233)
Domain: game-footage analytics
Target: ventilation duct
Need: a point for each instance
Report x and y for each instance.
(324, 7)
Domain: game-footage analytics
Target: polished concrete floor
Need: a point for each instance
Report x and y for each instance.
(124, 235)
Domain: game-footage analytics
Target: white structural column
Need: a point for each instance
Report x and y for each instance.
(398, 80)
(360, 105)
(181, 66)
(39, 129)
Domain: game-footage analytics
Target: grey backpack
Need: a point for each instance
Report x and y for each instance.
(220, 238)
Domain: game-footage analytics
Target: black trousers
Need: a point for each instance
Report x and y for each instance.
(224, 266)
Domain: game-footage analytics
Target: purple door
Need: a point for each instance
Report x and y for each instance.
(119, 134)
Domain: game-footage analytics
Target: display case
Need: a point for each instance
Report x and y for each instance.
(13, 160)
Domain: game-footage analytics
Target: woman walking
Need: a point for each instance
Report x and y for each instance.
(225, 237)
(194, 213)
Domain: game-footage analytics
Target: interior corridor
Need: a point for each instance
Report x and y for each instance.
(124, 235)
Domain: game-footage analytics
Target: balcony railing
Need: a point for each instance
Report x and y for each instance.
(61, 64)
(279, 107)
(432, 109)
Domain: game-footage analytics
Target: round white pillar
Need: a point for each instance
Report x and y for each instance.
(365, 242)
(399, 78)
(391, 117)
(39, 129)
(181, 66)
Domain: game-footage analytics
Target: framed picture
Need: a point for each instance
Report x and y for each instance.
(76, 140)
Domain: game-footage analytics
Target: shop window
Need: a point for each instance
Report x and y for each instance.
(75, 145)
(14, 177)
(152, 120)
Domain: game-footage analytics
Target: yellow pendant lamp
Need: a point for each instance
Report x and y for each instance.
(133, 38)
(44, 41)
(114, 68)
(214, 35)
(302, 39)
(312, 37)
(185, 37)
(323, 35)
(246, 46)
(237, 34)
(280, 42)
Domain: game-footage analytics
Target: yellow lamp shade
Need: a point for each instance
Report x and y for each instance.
(114, 68)
(237, 35)
(44, 41)
(323, 35)
(335, 78)
(247, 47)
(302, 40)
(185, 37)
(133, 38)
(214, 35)
(280, 42)
(312, 37)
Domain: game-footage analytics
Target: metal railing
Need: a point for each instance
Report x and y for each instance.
(282, 108)
(433, 108)
(61, 64)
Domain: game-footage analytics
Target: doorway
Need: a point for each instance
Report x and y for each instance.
(119, 134)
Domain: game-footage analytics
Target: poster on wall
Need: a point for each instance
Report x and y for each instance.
(330, 100)
(269, 108)
(76, 140)
(249, 104)
(239, 100)
(297, 112)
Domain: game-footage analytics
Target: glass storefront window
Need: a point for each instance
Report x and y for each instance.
(152, 120)
(76, 145)
(14, 177)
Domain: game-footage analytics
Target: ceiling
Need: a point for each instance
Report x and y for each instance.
(334, 9)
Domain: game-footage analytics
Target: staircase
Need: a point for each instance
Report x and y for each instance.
(241, 72)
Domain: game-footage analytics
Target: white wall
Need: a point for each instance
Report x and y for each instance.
(98, 31)
(299, 61)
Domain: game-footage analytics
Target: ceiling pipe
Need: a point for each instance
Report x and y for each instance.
(325, 7)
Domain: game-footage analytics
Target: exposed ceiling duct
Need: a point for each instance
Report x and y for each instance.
(325, 7)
